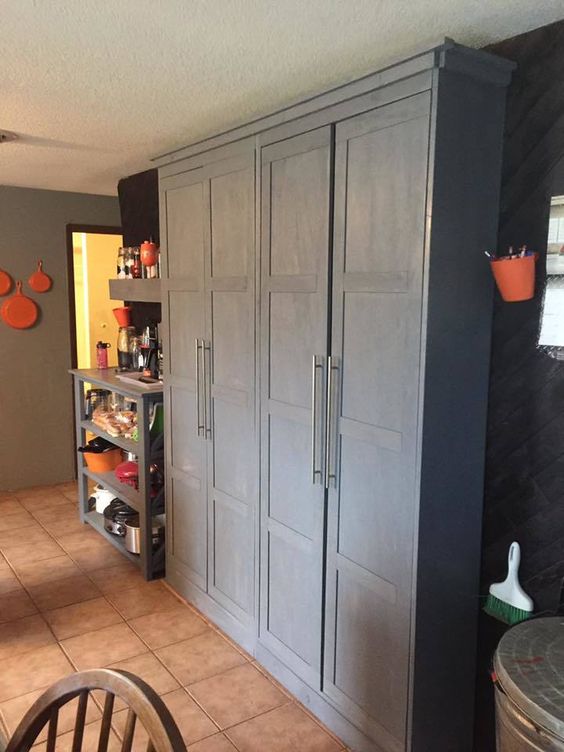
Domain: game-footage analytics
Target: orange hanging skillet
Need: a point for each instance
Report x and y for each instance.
(5, 282)
(19, 311)
(39, 281)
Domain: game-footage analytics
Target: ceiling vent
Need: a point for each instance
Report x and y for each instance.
(6, 136)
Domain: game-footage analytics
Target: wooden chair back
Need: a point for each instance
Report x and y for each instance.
(143, 702)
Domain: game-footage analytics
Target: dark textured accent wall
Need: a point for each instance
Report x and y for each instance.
(139, 207)
(524, 485)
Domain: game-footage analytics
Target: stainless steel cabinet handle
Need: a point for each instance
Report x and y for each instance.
(316, 472)
(207, 389)
(200, 423)
(331, 433)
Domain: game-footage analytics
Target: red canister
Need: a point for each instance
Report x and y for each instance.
(102, 354)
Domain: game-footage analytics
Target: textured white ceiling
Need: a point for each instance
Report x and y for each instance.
(96, 87)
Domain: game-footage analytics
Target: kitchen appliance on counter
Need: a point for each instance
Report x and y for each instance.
(116, 514)
(150, 349)
(102, 499)
(128, 472)
(133, 535)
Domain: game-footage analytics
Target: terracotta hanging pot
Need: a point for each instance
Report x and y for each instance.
(5, 282)
(19, 311)
(39, 281)
(515, 277)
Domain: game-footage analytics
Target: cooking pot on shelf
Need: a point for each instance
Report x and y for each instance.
(133, 533)
(115, 516)
(103, 499)
(128, 472)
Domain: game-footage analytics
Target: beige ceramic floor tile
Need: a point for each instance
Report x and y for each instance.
(15, 604)
(10, 505)
(89, 741)
(215, 743)
(148, 598)
(79, 618)
(13, 711)
(181, 624)
(39, 668)
(16, 521)
(199, 657)
(119, 577)
(86, 538)
(32, 551)
(150, 670)
(52, 499)
(37, 572)
(24, 635)
(8, 580)
(32, 534)
(52, 515)
(59, 593)
(237, 695)
(105, 646)
(67, 524)
(192, 722)
(282, 730)
(97, 557)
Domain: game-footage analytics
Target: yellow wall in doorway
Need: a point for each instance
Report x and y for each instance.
(94, 257)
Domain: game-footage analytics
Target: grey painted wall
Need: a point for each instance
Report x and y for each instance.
(36, 433)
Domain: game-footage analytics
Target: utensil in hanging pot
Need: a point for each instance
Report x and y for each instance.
(19, 311)
(133, 533)
(123, 315)
(5, 282)
(39, 281)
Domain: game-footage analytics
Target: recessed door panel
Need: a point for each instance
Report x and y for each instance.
(185, 230)
(186, 323)
(292, 497)
(233, 346)
(371, 662)
(231, 206)
(187, 536)
(183, 205)
(298, 219)
(380, 204)
(295, 334)
(295, 203)
(230, 369)
(232, 566)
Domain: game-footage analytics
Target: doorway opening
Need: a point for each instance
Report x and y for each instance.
(92, 253)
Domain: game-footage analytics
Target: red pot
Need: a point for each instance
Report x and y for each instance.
(149, 253)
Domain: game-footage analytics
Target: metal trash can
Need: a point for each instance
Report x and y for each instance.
(529, 681)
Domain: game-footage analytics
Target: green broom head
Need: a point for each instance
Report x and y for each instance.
(505, 612)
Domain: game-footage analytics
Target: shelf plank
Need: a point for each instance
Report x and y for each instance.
(97, 521)
(120, 490)
(137, 290)
(127, 444)
(107, 378)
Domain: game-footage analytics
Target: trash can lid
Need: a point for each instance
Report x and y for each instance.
(529, 665)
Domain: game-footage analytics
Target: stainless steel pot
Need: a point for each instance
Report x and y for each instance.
(133, 533)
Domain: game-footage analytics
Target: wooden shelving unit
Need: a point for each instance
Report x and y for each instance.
(136, 290)
(149, 561)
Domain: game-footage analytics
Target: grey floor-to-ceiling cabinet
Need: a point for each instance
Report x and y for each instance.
(328, 310)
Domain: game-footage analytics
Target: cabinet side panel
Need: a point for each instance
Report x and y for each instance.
(463, 209)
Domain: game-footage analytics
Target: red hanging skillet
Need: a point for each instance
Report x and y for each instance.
(39, 281)
(19, 311)
(5, 282)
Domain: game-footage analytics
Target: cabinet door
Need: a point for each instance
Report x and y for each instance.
(184, 239)
(230, 385)
(295, 199)
(380, 197)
